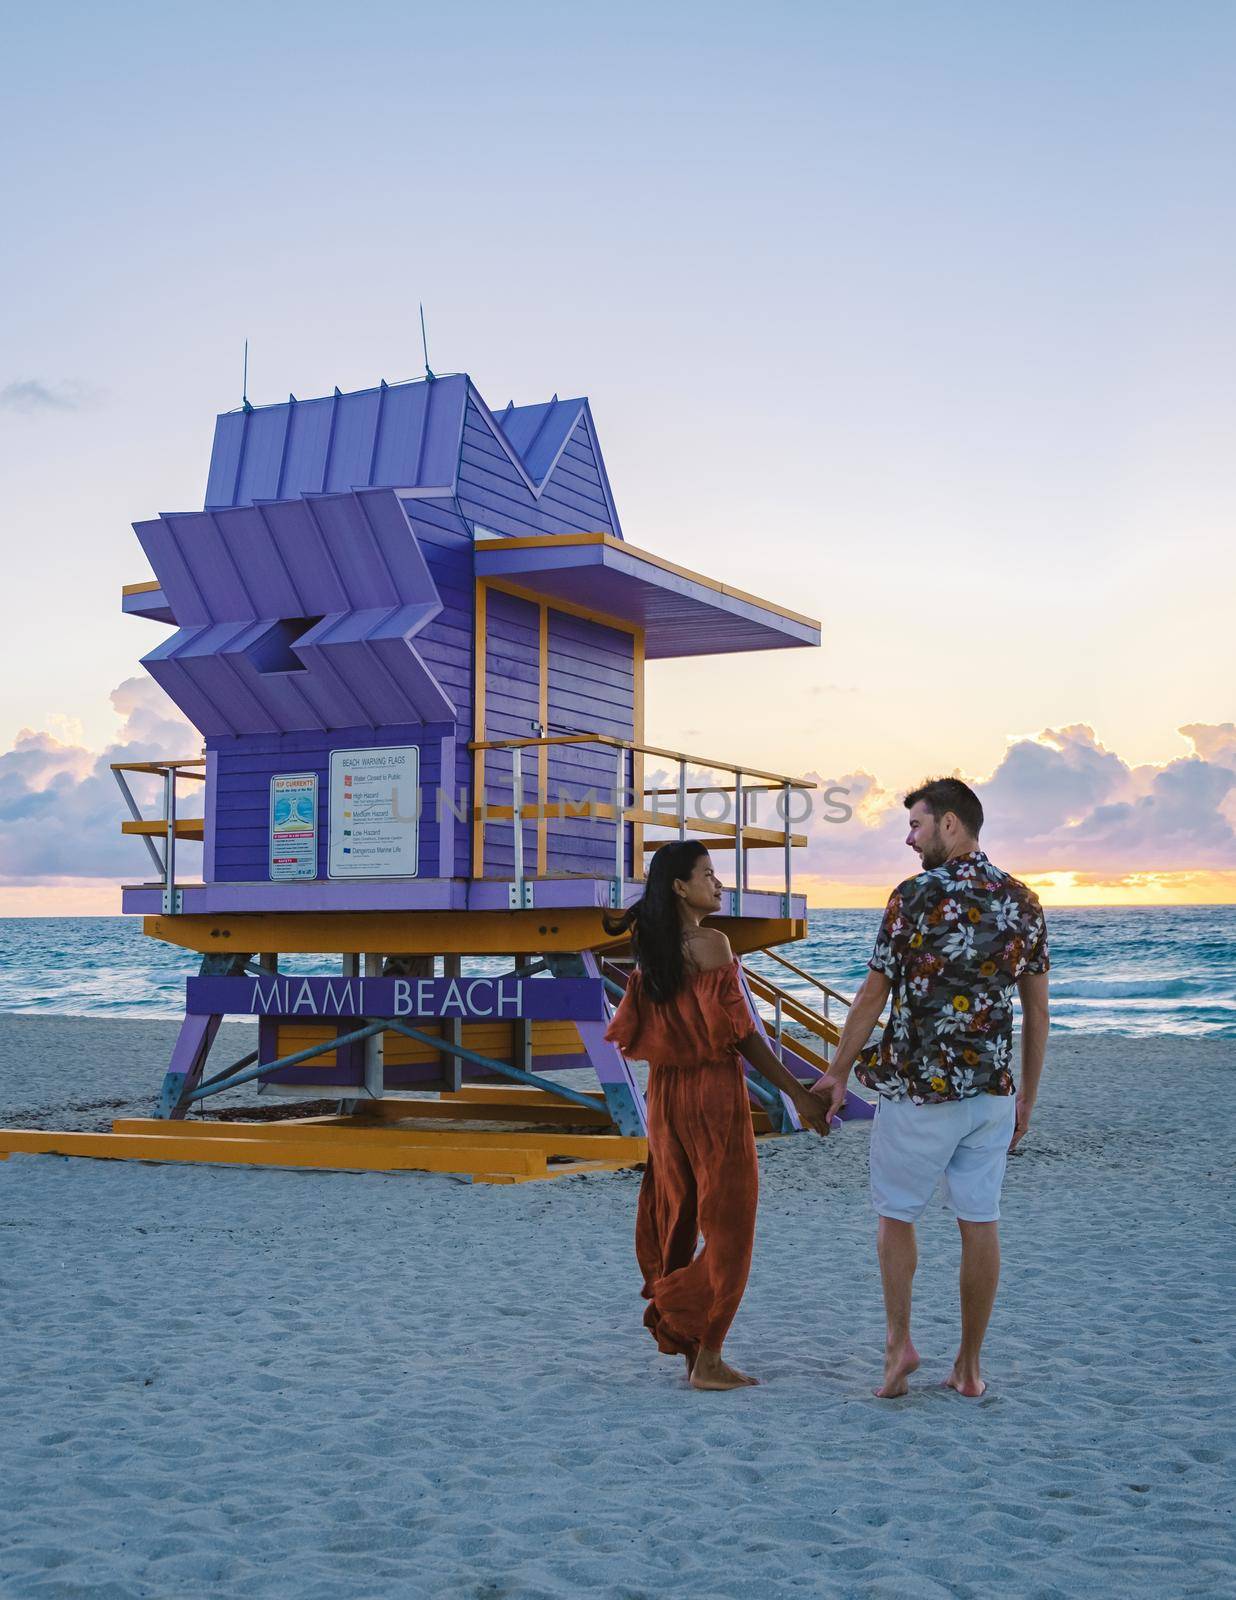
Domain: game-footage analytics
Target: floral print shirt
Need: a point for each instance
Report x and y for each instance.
(953, 943)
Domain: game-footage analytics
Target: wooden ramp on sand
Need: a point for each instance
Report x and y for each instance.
(485, 1135)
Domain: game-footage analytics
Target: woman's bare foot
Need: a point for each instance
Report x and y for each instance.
(710, 1372)
(968, 1384)
(899, 1362)
(689, 1358)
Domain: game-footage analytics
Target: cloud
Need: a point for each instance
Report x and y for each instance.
(30, 395)
(1050, 781)
(1057, 802)
(1060, 801)
(1213, 741)
(1082, 806)
(60, 808)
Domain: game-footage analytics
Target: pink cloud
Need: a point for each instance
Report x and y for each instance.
(1061, 801)
(1213, 741)
(1058, 801)
(60, 809)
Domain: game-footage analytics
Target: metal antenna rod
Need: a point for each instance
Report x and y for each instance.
(425, 347)
(244, 383)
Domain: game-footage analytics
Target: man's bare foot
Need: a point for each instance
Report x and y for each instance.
(899, 1363)
(970, 1385)
(710, 1372)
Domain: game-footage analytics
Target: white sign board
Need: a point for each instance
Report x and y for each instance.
(373, 812)
(293, 826)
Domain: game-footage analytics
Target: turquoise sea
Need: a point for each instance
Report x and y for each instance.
(1166, 969)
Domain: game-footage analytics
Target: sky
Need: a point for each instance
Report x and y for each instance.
(913, 317)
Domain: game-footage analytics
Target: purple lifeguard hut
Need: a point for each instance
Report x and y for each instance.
(413, 638)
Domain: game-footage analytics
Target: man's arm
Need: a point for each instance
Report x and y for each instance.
(863, 1015)
(756, 1049)
(1035, 1021)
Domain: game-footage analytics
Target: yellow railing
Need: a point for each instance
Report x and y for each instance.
(825, 989)
(625, 804)
(789, 1007)
(169, 827)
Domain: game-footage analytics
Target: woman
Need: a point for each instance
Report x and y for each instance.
(684, 1012)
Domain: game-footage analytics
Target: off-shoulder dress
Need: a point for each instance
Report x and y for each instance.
(702, 1176)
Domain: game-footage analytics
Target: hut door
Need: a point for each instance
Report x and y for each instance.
(514, 709)
(550, 672)
(590, 687)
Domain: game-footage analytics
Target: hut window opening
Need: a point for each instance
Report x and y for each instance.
(273, 651)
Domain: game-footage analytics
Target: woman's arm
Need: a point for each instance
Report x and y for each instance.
(811, 1109)
(711, 949)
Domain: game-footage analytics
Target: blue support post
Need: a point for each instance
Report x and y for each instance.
(266, 1067)
(197, 1034)
(623, 1095)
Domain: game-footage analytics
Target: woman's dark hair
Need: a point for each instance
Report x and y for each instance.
(654, 923)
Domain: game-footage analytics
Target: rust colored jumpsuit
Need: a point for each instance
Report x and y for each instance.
(702, 1176)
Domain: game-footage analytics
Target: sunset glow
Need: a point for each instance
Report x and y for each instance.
(1064, 889)
(980, 428)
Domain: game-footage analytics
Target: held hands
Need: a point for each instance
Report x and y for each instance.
(818, 1105)
(830, 1091)
(812, 1113)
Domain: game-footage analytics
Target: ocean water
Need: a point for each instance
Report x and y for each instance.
(1127, 970)
(1163, 969)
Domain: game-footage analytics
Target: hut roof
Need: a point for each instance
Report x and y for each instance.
(682, 613)
(310, 519)
(404, 436)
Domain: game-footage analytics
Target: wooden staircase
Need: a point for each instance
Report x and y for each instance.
(790, 1008)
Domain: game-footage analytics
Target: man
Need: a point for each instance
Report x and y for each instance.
(953, 942)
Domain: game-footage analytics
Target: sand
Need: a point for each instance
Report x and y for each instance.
(317, 1386)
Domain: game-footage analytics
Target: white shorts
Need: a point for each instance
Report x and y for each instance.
(965, 1142)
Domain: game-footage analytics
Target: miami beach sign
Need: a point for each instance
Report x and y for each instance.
(470, 999)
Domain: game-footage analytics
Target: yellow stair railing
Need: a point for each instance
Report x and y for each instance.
(788, 1007)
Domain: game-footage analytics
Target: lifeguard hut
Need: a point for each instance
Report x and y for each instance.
(413, 637)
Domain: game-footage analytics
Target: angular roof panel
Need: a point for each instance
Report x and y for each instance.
(295, 614)
(401, 436)
(538, 433)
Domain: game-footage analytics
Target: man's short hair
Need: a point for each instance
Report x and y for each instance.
(950, 794)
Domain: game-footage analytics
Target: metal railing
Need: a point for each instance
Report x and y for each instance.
(167, 828)
(787, 1007)
(825, 989)
(627, 805)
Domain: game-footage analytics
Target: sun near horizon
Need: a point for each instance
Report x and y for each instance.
(1059, 889)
